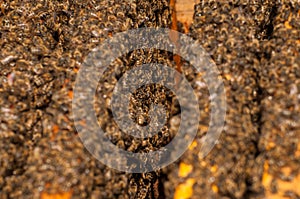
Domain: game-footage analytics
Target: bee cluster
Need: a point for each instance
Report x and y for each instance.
(255, 45)
(43, 44)
(280, 79)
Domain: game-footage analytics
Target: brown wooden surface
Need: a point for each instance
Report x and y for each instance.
(185, 11)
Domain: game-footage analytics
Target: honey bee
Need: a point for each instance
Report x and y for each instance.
(142, 193)
(38, 80)
(134, 145)
(133, 188)
(45, 88)
(141, 120)
(42, 14)
(8, 59)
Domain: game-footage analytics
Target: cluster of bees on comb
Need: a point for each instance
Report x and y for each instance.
(255, 45)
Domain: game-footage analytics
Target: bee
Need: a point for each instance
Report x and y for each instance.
(121, 144)
(141, 120)
(120, 15)
(142, 193)
(6, 23)
(22, 64)
(38, 80)
(43, 14)
(77, 54)
(32, 118)
(39, 50)
(112, 18)
(134, 145)
(4, 6)
(45, 89)
(133, 188)
(41, 101)
(22, 106)
(8, 59)
(62, 16)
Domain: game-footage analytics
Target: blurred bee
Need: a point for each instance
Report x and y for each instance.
(42, 79)
(8, 59)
